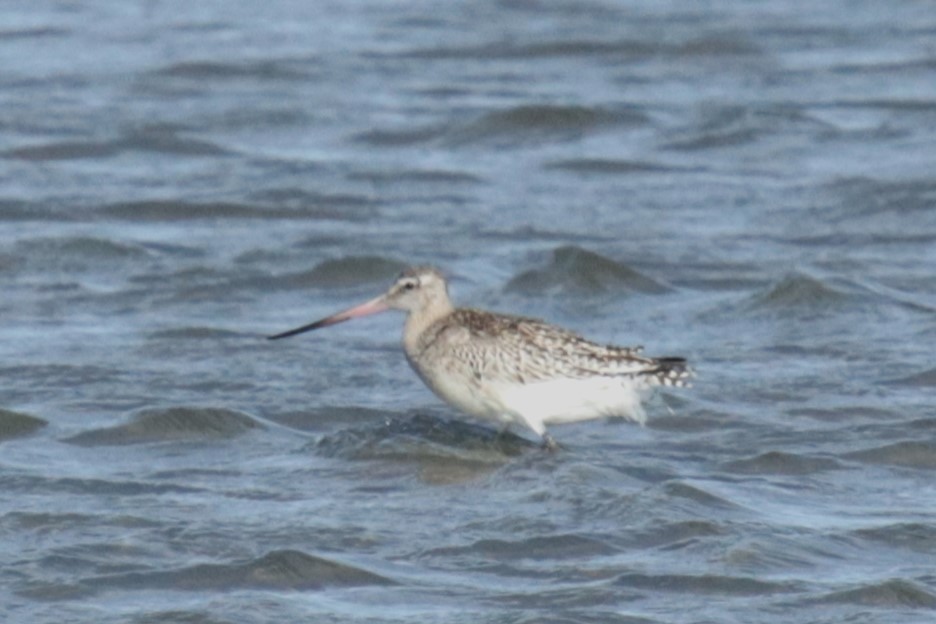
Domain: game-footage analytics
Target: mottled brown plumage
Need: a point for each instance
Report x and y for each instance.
(526, 350)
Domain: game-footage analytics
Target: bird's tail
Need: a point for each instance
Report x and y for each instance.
(669, 371)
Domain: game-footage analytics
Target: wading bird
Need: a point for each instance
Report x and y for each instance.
(509, 369)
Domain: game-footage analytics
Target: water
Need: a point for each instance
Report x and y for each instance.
(749, 185)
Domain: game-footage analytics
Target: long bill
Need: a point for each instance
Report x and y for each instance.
(371, 307)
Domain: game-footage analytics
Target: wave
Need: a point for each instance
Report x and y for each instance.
(174, 423)
(893, 593)
(909, 454)
(345, 272)
(518, 125)
(797, 290)
(612, 166)
(705, 584)
(545, 547)
(65, 150)
(16, 424)
(781, 463)
(71, 253)
(181, 210)
(154, 140)
(924, 379)
(523, 124)
(916, 537)
(276, 570)
(243, 70)
(710, 45)
(576, 270)
(740, 125)
(443, 451)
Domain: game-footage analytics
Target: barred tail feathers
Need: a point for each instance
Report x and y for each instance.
(669, 371)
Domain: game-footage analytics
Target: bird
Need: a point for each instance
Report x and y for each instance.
(512, 370)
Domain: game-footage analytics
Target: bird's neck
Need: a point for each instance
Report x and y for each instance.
(418, 321)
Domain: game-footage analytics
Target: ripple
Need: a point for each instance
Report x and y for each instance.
(408, 437)
(158, 140)
(176, 210)
(704, 584)
(60, 375)
(347, 206)
(698, 420)
(417, 176)
(15, 424)
(194, 333)
(512, 126)
(443, 451)
(174, 423)
(909, 454)
(764, 555)
(563, 546)
(717, 44)
(19, 210)
(720, 44)
(528, 233)
(781, 463)
(860, 212)
(888, 594)
(920, 380)
(399, 137)
(30, 484)
(329, 418)
(278, 570)
(850, 414)
(612, 166)
(535, 50)
(671, 534)
(577, 270)
(862, 197)
(797, 291)
(165, 141)
(731, 126)
(256, 116)
(65, 150)
(345, 272)
(912, 536)
(695, 494)
(76, 253)
(526, 123)
(46, 521)
(924, 425)
(213, 70)
(895, 104)
(35, 32)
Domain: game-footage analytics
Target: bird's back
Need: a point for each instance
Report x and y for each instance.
(524, 350)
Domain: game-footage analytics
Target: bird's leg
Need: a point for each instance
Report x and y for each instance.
(549, 444)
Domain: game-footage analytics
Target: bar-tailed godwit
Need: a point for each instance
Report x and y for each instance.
(510, 369)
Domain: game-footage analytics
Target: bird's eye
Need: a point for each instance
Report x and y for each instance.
(409, 285)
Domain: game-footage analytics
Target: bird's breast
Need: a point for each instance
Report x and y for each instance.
(458, 385)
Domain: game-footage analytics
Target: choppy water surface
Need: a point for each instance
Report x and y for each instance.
(750, 185)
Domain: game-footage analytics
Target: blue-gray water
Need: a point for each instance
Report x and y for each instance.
(750, 185)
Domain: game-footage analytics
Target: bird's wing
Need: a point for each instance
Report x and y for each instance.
(518, 349)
